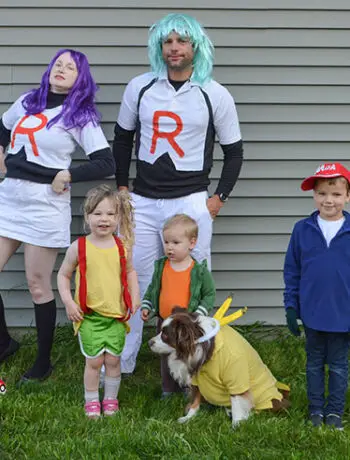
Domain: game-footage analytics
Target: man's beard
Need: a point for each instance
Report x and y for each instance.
(182, 64)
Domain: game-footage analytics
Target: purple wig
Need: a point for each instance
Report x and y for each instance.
(79, 106)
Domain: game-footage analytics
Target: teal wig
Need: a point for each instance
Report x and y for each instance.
(187, 27)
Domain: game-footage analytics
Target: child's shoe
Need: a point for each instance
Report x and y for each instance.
(316, 420)
(110, 406)
(334, 421)
(93, 409)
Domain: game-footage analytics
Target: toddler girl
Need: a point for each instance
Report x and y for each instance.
(106, 293)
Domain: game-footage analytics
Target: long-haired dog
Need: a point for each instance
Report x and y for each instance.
(189, 341)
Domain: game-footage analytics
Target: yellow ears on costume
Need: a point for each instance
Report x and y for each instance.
(219, 315)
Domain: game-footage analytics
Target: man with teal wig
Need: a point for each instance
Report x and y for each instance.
(175, 111)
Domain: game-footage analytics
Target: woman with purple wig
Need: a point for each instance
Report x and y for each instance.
(42, 130)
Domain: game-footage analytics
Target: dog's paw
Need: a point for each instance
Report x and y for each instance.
(191, 413)
(235, 424)
(240, 409)
(236, 421)
(183, 419)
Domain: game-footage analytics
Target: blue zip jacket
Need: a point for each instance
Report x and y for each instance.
(317, 277)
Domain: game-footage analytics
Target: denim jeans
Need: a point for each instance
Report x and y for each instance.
(326, 348)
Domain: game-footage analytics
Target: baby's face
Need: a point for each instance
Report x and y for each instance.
(177, 245)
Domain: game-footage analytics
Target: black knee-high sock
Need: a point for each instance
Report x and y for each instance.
(45, 318)
(4, 335)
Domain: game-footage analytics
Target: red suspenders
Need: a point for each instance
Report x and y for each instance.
(123, 277)
(82, 271)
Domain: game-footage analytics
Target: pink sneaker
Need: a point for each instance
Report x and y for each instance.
(93, 409)
(110, 406)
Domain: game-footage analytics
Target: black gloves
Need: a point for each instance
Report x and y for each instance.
(292, 323)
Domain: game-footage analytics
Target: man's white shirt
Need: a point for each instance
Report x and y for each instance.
(176, 122)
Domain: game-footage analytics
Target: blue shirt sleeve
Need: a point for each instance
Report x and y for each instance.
(292, 273)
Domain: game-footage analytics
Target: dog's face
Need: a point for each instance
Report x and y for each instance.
(179, 333)
(159, 344)
(179, 339)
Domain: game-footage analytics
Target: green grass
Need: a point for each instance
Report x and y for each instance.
(47, 421)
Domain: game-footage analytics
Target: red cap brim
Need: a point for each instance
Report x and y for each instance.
(308, 183)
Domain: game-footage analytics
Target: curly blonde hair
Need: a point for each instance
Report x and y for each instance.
(123, 206)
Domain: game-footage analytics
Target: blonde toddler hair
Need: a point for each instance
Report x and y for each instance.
(188, 224)
(123, 206)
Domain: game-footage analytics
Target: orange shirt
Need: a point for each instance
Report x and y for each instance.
(175, 289)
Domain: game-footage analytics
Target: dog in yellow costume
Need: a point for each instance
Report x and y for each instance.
(218, 364)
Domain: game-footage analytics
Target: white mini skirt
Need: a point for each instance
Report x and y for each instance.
(33, 213)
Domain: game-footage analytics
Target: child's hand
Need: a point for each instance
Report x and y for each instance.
(292, 323)
(135, 308)
(73, 312)
(144, 315)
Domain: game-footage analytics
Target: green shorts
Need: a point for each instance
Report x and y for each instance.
(99, 334)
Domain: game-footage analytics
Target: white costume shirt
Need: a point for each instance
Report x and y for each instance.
(53, 147)
(176, 122)
(175, 132)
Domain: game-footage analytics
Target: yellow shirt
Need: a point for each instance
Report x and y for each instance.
(234, 368)
(104, 290)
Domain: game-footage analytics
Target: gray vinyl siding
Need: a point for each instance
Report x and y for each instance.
(285, 63)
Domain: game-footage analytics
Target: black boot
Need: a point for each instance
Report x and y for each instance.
(8, 346)
(45, 318)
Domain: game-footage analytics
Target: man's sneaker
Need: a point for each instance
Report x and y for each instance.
(316, 420)
(334, 421)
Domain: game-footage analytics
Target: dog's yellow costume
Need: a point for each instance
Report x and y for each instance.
(235, 368)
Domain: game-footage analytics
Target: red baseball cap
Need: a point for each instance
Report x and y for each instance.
(326, 171)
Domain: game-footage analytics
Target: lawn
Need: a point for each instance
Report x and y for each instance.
(47, 421)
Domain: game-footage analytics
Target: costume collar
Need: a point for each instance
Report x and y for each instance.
(211, 327)
(164, 76)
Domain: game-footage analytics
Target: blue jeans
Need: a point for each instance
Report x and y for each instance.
(326, 348)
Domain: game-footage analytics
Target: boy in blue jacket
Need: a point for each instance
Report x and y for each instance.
(317, 290)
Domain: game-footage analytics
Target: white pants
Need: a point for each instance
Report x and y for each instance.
(150, 216)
